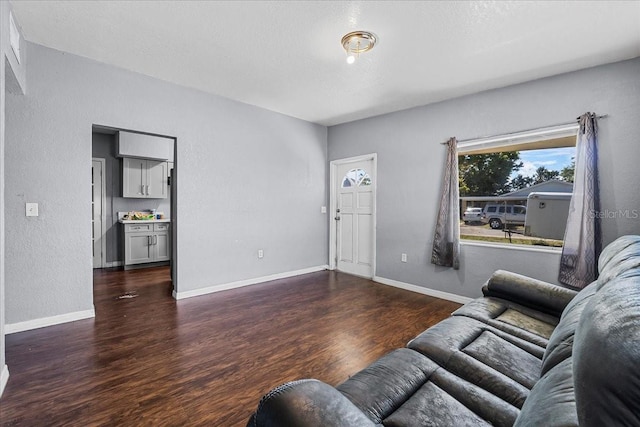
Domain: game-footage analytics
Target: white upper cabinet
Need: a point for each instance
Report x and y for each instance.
(131, 144)
(157, 176)
(144, 179)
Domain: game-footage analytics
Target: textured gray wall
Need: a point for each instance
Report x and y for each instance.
(16, 80)
(12, 79)
(4, 8)
(104, 146)
(249, 179)
(410, 165)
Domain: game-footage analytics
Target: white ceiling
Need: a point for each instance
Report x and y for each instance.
(286, 56)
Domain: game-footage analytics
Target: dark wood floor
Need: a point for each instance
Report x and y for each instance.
(151, 360)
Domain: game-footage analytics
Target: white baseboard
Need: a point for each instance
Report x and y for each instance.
(112, 264)
(247, 282)
(11, 328)
(422, 290)
(4, 377)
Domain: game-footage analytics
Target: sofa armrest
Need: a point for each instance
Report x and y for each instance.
(532, 293)
(307, 403)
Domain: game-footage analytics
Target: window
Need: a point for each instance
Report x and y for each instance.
(523, 182)
(356, 178)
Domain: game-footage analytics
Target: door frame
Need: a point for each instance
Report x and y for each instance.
(333, 168)
(103, 214)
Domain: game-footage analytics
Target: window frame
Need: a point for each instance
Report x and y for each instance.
(517, 141)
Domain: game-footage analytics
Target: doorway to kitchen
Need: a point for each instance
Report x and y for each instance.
(138, 193)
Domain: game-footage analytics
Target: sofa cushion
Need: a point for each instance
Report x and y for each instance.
(613, 249)
(560, 343)
(606, 356)
(536, 294)
(520, 321)
(551, 402)
(620, 258)
(447, 400)
(307, 403)
(405, 388)
(498, 362)
(387, 383)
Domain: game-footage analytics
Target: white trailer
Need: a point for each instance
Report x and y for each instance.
(547, 214)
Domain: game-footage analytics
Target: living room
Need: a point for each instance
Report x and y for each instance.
(252, 179)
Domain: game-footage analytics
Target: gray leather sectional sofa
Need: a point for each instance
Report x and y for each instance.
(528, 353)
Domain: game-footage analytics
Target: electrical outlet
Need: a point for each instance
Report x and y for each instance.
(260, 253)
(403, 258)
(31, 209)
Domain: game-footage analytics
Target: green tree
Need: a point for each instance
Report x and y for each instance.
(543, 174)
(487, 174)
(519, 182)
(568, 172)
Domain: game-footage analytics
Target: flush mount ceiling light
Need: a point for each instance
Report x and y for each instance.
(357, 42)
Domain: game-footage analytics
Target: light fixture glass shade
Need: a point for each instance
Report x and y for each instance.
(357, 42)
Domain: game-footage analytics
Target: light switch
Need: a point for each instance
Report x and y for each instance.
(31, 209)
(323, 209)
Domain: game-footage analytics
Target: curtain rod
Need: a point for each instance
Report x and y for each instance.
(506, 135)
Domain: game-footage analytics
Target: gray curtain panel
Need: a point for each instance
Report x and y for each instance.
(582, 238)
(446, 242)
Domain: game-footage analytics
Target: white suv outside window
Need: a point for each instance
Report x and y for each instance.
(472, 215)
(497, 215)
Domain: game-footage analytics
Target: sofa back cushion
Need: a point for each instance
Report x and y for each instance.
(551, 402)
(620, 258)
(560, 343)
(606, 356)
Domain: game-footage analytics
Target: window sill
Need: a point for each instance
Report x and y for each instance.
(512, 246)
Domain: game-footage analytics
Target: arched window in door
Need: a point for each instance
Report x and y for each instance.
(356, 178)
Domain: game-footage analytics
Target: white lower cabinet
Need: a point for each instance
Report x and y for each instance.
(162, 242)
(148, 242)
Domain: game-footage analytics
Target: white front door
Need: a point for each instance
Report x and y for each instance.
(98, 218)
(354, 216)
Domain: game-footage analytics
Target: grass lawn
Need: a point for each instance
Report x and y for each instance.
(515, 239)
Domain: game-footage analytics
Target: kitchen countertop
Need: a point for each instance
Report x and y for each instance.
(134, 221)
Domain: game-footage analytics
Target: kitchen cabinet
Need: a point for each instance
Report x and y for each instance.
(162, 242)
(144, 178)
(146, 242)
(139, 145)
